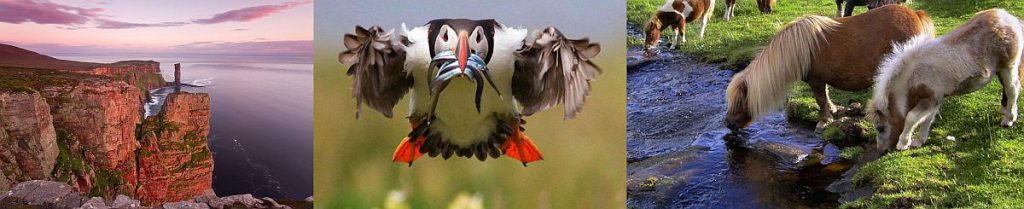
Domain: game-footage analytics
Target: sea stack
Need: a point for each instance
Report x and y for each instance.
(177, 74)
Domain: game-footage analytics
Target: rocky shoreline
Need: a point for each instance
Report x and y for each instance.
(51, 194)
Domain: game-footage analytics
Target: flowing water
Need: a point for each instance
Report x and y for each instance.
(261, 128)
(681, 155)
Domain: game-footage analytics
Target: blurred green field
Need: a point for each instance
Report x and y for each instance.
(982, 167)
(583, 166)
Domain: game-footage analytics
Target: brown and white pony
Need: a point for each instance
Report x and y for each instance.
(765, 6)
(872, 4)
(675, 14)
(843, 53)
(915, 78)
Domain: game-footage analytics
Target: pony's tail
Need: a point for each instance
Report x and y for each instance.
(926, 22)
(785, 60)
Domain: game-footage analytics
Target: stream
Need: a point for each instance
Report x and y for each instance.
(681, 155)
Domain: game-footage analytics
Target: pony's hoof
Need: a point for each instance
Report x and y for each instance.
(903, 146)
(1006, 123)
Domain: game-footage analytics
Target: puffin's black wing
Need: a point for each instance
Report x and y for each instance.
(552, 69)
(376, 62)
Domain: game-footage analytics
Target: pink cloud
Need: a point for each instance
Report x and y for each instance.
(70, 17)
(45, 12)
(114, 24)
(249, 13)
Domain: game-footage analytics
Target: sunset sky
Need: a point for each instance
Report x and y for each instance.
(180, 26)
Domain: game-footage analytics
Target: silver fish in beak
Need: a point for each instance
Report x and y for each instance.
(449, 66)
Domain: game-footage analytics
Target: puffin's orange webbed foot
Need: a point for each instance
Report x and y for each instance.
(520, 147)
(408, 151)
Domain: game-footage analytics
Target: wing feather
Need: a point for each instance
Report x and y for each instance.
(553, 69)
(376, 63)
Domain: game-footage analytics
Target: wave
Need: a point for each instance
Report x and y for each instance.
(201, 82)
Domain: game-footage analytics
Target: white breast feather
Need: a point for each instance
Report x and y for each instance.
(416, 62)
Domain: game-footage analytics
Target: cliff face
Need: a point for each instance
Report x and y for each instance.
(27, 139)
(100, 115)
(142, 74)
(103, 147)
(174, 161)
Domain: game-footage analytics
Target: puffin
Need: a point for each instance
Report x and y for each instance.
(471, 83)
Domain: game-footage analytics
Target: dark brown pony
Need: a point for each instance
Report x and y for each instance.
(843, 53)
(675, 14)
(872, 4)
(765, 6)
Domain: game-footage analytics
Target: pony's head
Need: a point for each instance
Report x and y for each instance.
(652, 34)
(888, 125)
(738, 116)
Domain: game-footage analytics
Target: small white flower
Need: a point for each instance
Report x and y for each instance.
(951, 138)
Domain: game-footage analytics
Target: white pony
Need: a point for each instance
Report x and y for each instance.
(914, 79)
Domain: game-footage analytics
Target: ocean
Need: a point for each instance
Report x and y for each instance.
(261, 128)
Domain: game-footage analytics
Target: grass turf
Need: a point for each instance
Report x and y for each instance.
(982, 167)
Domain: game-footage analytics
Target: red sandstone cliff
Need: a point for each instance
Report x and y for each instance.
(174, 161)
(27, 139)
(100, 115)
(142, 74)
(97, 124)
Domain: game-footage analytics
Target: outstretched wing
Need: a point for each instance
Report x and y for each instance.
(376, 62)
(552, 69)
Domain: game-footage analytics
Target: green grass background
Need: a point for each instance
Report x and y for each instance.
(982, 168)
(583, 166)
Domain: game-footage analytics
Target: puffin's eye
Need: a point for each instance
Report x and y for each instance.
(479, 38)
(444, 37)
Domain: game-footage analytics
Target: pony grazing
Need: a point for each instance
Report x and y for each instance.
(675, 14)
(765, 6)
(843, 53)
(920, 73)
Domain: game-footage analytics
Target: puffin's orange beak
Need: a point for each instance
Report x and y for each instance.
(462, 51)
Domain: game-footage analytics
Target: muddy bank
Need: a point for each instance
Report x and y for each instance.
(680, 154)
